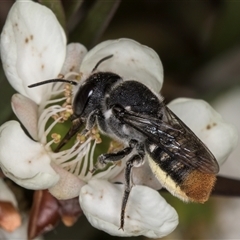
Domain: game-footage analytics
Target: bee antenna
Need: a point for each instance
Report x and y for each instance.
(51, 81)
(102, 60)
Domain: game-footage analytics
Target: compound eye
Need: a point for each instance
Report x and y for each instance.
(82, 97)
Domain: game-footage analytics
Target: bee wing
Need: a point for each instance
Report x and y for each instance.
(174, 138)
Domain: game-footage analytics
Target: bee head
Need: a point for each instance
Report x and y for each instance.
(92, 92)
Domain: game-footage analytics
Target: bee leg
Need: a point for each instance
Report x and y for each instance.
(92, 119)
(105, 158)
(76, 125)
(134, 161)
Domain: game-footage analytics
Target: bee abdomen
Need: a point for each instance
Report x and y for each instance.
(198, 186)
(180, 180)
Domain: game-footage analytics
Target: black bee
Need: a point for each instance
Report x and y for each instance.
(131, 113)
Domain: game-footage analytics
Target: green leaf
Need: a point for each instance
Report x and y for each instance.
(89, 31)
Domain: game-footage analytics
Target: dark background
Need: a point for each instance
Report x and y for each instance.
(199, 45)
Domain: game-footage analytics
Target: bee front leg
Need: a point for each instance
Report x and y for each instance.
(76, 125)
(91, 121)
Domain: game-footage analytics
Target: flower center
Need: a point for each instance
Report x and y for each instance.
(79, 155)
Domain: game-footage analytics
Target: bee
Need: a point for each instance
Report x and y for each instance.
(130, 112)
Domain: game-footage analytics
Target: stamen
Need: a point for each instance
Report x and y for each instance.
(49, 102)
(81, 138)
(86, 162)
(63, 157)
(47, 131)
(91, 161)
(79, 159)
(76, 75)
(44, 118)
(58, 86)
(60, 75)
(56, 137)
(82, 159)
(79, 163)
(49, 144)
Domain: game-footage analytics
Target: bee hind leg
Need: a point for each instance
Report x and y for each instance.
(134, 161)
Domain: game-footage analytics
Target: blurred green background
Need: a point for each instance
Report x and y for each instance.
(199, 45)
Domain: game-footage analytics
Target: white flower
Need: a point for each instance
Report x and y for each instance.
(101, 211)
(33, 49)
(220, 137)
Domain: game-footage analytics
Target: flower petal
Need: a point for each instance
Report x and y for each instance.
(131, 60)
(219, 136)
(68, 186)
(142, 175)
(74, 56)
(27, 112)
(23, 160)
(147, 212)
(228, 105)
(33, 47)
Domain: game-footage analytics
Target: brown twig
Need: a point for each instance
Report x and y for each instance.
(227, 187)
